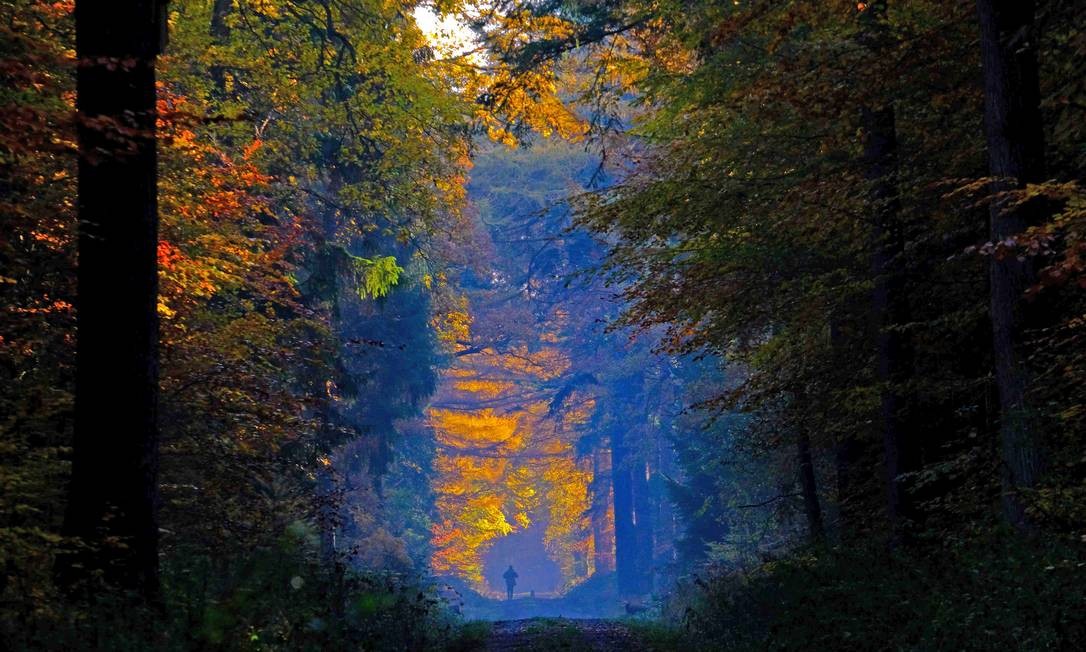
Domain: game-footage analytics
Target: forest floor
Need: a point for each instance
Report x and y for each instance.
(595, 599)
(574, 634)
(590, 617)
(521, 609)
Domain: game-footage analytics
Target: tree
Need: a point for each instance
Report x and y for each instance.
(1015, 158)
(626, 531)
(893, 354)
(809, 486)
(113, 494)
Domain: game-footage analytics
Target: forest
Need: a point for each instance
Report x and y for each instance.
(542, 325)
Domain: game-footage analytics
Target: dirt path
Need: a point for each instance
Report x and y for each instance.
(562, 634)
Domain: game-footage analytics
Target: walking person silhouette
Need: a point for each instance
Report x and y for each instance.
(510, 576)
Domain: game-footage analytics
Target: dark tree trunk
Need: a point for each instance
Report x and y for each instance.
(644, 526)
(113, 495)
(851, 474)
(220, 31)
(890, 310)
(219, 11)
(603, 540)
(666, 524)
(625, 530)
(328, 515)
(846, 461)
(1015, 158)
(809, 487)
(330, 521)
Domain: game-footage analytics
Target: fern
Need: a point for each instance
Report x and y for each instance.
(377, 275)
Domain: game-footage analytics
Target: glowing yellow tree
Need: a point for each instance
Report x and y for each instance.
(506, 461)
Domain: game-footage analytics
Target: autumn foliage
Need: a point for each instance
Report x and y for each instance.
(757, 316)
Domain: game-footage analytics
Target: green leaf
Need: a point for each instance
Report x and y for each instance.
(378, 275)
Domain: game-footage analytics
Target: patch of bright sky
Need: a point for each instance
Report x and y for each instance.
(446, 34)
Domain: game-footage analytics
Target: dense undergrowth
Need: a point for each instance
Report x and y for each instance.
(276, 597)
(1002, 593)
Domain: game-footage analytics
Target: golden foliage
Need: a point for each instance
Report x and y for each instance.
(505, 461)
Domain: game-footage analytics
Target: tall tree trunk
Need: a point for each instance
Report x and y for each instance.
(893, 352)
(603, 533)
(667, 527)
(848, 448)
(219, 12)
(890, 310)
(809, 486)
(220, 32)
(1015, 158)
(644, 526)
(113, 495)
(625, 530)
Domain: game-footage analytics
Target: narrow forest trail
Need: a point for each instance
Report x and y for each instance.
(563, 634)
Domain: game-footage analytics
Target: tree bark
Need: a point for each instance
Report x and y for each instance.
(220, 31)
(625, 529)
(893, 351)
(644, 526)
(219, 11)
(113, 494)
(851, 474)
(666, 526)
(1015, 158)
(809, 487)
(890, 310)
(603, 534)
